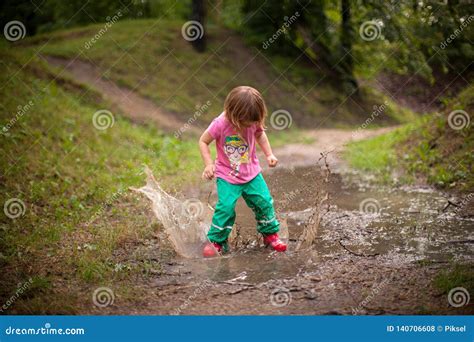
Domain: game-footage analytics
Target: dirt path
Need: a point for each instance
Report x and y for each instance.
(128, 102)
(334, 140)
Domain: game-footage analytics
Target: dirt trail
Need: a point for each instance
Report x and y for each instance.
(130, 103)
(326, 140)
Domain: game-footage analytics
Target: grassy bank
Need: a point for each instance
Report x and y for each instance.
(427, 151)
(72, 180)
(151, 57)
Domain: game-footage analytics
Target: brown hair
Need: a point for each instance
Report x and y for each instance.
(245, 105)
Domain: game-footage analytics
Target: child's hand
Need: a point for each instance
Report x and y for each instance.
(272, 160)
(208, 172)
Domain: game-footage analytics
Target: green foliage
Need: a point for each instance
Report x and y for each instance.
(409, 37)
(460, 275)
(49, 15)
(429, 149)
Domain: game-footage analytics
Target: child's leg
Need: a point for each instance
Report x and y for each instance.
(224, 214)
(258, 198)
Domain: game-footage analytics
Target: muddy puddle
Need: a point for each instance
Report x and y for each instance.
(396, 226)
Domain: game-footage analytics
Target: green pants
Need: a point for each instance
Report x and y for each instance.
(258, 198)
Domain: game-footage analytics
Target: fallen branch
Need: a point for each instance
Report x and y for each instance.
(357, 254)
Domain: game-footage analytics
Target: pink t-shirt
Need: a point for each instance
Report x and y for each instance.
(237, 161)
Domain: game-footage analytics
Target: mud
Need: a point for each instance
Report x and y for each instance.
(378, 257)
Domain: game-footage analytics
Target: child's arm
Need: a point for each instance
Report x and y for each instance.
(264, 144)
(204, 142)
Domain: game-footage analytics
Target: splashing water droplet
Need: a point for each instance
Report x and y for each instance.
(185, 229)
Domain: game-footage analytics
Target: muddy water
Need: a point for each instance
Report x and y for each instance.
(396, 225)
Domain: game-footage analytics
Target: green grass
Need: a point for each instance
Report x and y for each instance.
(377, 155)
(459, 275)
(67, 172)
(429, 150)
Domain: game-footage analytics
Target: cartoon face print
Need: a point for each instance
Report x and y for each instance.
(236, 149)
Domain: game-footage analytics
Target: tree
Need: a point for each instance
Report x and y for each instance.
(198, 14)
(346, 64)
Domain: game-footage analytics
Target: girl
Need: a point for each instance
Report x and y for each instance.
(237, 168)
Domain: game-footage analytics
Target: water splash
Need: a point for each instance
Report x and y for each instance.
(186, 222)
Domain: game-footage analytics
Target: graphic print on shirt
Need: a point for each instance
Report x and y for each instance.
(236, 149)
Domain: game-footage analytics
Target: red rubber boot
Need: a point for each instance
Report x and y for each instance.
(211, 249)
(274, 241)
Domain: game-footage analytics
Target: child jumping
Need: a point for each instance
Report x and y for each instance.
(237, 169)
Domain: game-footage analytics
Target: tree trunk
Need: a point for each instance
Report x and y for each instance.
(346, 64)
(199, 14)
